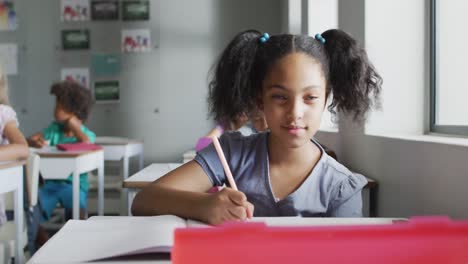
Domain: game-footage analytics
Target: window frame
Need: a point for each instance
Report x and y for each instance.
(434, 53)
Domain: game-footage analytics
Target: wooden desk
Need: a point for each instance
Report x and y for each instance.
(122, 149)
(58, 165)
(144, 177)
(11, 180)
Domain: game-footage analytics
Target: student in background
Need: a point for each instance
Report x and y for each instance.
(13, 145)
(281, 172)
(72, 108)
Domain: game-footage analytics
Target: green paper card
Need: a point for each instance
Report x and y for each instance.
(105, 65)
(75, 39)
(106, 91)
(135, 10)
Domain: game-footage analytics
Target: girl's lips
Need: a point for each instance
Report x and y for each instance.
(294, 130)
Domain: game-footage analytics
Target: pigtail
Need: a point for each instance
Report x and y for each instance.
(231, 82)
(353, 80)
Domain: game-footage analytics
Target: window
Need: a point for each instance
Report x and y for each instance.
(449, 70)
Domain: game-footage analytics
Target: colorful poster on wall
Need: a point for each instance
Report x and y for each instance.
(9, 58)
(105, 65)
(79, 75)
(136, 40)
(75, 39)
(8, 19)
(136, 10)
(106, 91)
(105, 10)
(75, 10)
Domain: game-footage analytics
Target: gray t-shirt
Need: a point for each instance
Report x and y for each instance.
(329, 190)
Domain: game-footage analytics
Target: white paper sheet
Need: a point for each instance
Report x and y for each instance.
(9, 58)
(136, 40)
(80, 75)
(75, 10)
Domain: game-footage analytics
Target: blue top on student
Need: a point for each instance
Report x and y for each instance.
(329, 190)
(55, 134)
(72, 108)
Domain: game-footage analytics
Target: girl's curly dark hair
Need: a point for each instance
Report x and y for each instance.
(74, 97)
(231, 84)
(237, 78)
(355, 83)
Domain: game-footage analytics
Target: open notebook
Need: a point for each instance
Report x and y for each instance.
(107, 237)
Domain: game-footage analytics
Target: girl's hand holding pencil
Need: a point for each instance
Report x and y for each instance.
(228, 205)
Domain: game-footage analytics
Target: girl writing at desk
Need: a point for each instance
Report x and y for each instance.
(283, 171)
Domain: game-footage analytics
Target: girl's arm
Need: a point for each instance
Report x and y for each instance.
(74, 124)
(182, 192)
(37, 140)
(18, 147)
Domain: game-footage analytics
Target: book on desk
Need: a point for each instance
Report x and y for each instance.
(269, 240)
(79, 146)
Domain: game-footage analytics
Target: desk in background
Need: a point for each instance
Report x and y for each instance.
(58, 165)
(144, 177)
(122, 149)
(189, 155)
(11, 180)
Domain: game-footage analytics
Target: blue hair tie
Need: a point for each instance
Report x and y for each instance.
(319, 38)
(264, 38)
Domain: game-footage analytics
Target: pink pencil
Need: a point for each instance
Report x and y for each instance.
(222, 158)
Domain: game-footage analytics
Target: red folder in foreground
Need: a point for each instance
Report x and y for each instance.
(419, 240)
(78, 146)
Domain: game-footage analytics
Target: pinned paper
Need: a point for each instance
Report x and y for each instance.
(79, 75)
(105, 65)
(75, 10)
(136, 40)
(75, 39)
(9, 58)
(135, 10)
(106, 91)
(8, 19)
(105, 10)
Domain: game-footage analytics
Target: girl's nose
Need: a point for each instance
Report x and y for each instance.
(296, 110)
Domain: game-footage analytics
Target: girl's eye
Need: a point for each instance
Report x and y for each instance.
(279, 97)
(311, 98)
